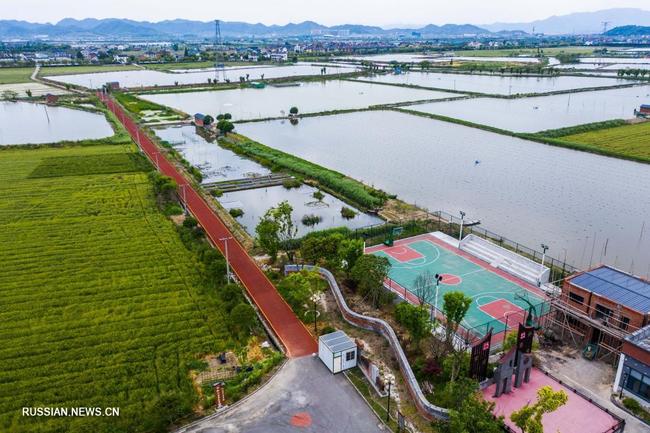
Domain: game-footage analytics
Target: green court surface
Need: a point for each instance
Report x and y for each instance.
(495, 294)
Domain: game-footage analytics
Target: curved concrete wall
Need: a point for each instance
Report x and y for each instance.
(427, 409)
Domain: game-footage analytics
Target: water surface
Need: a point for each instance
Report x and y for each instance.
(309, 97)
(589, 207)
(544, 112)
(147, 78)
(255, 203)
(495, 84)
(27, 123)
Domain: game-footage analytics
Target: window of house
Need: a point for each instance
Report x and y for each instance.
(349, 356)
(638, 384)
(576, 298)
(623, 324)
(602, 312)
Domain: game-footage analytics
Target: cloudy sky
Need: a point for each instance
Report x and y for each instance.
(329, 12)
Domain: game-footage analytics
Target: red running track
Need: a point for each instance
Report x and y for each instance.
(287, 327)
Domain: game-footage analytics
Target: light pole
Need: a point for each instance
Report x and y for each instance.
(389, 380)
(225, 242)
(544, 249)
(315, 298)
(438, 278)
(462, 219)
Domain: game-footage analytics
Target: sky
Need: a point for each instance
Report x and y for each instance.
(383, 13)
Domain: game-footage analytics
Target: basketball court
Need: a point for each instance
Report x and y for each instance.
(499, 300)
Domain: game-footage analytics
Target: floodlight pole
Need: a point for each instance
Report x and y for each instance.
(438, 279)
(225, 241)
(462, 219)
(544, 249)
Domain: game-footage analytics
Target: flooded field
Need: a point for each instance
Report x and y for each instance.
(544, 112)
(589, 207)
(216, 163)
(219, 164)
(495, 85)
(432, 58)
(148, 78)
(309, 97)
(255, 203)
(27, 123)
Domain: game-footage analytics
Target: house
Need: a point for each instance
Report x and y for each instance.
(51, 99)
(604, 305)
(337, 351)
(633, 373)
(198, 119)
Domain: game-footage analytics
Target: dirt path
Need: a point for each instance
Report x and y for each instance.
(287, 327)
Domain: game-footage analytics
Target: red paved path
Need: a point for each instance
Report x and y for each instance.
(291, 331)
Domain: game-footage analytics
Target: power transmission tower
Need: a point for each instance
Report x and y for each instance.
(605, 25)
(218, 46)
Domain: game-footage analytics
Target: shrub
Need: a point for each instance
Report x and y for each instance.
(348, 213)
(291, 183)
(318, 195)
(216, 192)
(172, 209)
(631, 404)
(236, 212)
(311, 220)
(326, 330)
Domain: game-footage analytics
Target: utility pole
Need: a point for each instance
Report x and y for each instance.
(225, 241)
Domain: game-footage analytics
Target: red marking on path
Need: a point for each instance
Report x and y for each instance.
(301, 419)
(450, 279)
(501, 308)
(289, 329)
(403, 253)
(578, 415)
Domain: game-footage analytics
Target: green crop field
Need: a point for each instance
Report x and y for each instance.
(629, 140)
(507, 52)
(102, 303)
(15, 75)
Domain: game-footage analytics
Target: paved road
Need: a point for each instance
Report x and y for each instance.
(289, 329)
(303, 390)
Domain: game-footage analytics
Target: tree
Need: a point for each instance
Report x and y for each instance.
(369, 272)
(242, 319)
(29, 93)
(455, 308)
(349, 251)
(287, 230)
(298, 287)
(529, 418)
(473, 415)
(267, 236)
(415, 319)
(422, 285)
(208, 120)
(293, 111)
(227, 116)
(225, 126)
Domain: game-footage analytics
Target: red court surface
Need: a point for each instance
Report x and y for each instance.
(502, 307)
(577, 416)
(450, 280)
(403, 253)
(289, 329)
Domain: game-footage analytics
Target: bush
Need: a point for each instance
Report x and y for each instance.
(327, 330)
(347, 213)
(216, 192)
(311, 220)
(291, 183)
(318, 195)
(172, 209)
(236, 212)
(632, 404)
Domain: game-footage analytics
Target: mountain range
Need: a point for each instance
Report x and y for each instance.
(91, 28)
(579, 23)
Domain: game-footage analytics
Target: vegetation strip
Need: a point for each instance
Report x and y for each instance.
(360, 194)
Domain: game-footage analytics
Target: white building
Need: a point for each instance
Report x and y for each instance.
(337, 351)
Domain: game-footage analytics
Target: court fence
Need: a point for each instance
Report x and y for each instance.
(449, 224)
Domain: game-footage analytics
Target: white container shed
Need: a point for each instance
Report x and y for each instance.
(337, 351)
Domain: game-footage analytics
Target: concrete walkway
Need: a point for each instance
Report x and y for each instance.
(303, 396)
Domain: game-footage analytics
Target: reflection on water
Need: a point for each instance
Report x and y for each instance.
(216, 163)
(255, 203)
(586, 206)
(27, 123)
(544, 112)
(494, 84)
(219, 164)
(146, 78)
(276, 101)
